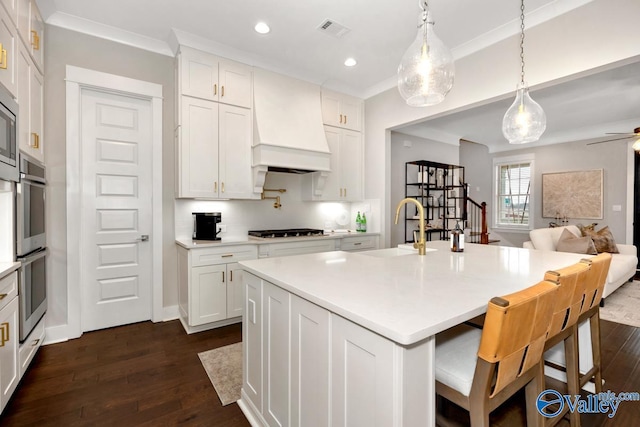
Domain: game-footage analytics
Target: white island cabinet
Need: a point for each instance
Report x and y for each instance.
(347, 339)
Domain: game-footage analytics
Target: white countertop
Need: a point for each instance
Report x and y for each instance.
(251, 240)
(8, 267)
(410, 297)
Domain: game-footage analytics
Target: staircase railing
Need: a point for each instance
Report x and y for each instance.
(477, 222)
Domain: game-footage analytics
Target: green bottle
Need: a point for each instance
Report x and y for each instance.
(358, 222)
(363, 224)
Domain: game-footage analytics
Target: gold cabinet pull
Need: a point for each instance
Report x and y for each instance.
(3, 296)
(222, 186)
(35, 342)
(345, 192)
(5, 333)
(222, 91)
(215, 89)
(3, 57)
(223, 277)
(345, 119)
(36, 140)
(340, 118)
(231, 276)
(35, 40)
(215, 186)
(226, 256)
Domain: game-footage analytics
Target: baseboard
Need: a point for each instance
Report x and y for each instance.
(56, 334)
(170, 313)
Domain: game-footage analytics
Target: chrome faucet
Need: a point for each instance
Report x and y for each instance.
(420, 244)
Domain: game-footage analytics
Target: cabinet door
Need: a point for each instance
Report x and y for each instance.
(332, 187)
(36, 105)
(234, 160)
(8, 53)
(235, 83)
(199, 74)
(9, 366)
(351, 110)
(309, 364)
(235, 290)
(351, 172)
(198, 151)
(252, 340)
(36, 37)
(208, 296)
(24, 65)
(24, 20)
(11, 7)
(275, 336)
(362, 376)
(331, 109)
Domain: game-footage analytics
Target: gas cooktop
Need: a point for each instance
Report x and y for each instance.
(286, 232)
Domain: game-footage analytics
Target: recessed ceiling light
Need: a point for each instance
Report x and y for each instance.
(350, 62)
(262, 28)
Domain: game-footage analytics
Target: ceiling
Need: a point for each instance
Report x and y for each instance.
(380, 32)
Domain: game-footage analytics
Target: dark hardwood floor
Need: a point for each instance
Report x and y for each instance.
(150, 374)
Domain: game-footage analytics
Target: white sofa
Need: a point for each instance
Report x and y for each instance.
(623, 265)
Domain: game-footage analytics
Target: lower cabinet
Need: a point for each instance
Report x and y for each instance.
(359, 243)
(210, 291)
(305, 366)
(297, 248)
(9, 367)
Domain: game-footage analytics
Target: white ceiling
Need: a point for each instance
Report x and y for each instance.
(381, 30)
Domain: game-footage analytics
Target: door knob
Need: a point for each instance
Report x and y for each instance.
(143, 238)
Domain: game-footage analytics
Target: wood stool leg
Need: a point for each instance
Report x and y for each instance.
(573, 370)
(594, 323)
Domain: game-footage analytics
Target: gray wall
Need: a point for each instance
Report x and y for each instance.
(419, 149)
(64, 47)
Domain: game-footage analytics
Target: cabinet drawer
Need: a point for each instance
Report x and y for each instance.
(222, 255)
(359, 243)
(30, 346)
(298, 248)
(8, 288)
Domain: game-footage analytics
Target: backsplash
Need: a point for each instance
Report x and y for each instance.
(240, 216)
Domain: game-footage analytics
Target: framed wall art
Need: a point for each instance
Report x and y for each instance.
(576, 195)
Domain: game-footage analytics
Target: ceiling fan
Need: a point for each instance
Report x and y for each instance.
(622, 135)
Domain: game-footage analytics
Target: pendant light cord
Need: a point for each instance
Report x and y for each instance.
(522, 42)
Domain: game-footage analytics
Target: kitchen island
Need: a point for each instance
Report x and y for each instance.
(348, 339)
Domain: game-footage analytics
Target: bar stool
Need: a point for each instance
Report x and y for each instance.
(480, 369)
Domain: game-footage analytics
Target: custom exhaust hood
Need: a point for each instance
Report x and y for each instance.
(287, 127)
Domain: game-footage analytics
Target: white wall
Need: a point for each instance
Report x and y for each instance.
(407, 148)
(595, 35)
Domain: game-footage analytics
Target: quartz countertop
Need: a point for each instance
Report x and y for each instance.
(8, 267)
(251, 240)
(411, 297)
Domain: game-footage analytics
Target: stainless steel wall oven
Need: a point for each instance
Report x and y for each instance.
(31, 240)
(8, 136)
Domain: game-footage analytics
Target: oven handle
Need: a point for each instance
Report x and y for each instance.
(33, 180)
(34, 256)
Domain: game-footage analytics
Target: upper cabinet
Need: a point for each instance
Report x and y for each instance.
(8, 38)
(31, 30)
(342, 111)
(205, 76)
(30, 101)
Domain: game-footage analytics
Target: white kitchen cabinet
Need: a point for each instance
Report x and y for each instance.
(9, 366)
(30, 100)
(8, 50)
(310, 334)
(359, 243)
(31, 30)
(252, 341)
(206, 76)
(345, 181)
(297, 248)
(276, 351)
(342, 111)
(11, 6)
(27, 350)
(214, 151)
(210, 285)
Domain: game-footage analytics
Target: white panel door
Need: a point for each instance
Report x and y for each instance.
(252, 340)
(235, 290)
(234, 152)
(332, 188)
(208, 296)
(116, 209)
(235, 83)
(8, 42)
(351, 165)
(9, 367)
(309, 364)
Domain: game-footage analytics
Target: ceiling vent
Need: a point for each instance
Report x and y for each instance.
(332, 28)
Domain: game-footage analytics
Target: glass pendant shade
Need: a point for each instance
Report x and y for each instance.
(525, 120)
(636, 145)
(426, 72)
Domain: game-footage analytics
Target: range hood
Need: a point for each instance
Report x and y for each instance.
(287, 128)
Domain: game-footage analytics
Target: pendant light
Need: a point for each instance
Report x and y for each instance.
(525, 120)
(425, 74)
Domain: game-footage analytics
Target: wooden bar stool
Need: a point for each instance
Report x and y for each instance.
(480, 369)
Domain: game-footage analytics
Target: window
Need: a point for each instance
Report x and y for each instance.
(513, 185)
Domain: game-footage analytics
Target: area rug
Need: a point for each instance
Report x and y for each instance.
(224, 368)
(623, 306)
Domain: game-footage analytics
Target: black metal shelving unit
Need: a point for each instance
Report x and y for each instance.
(441, 190)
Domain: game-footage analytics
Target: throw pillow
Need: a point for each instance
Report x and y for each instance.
(603, 239)
(569, 242)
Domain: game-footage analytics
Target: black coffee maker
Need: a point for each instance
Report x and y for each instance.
(205, 225)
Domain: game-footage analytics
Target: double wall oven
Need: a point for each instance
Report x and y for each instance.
(31, 239)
